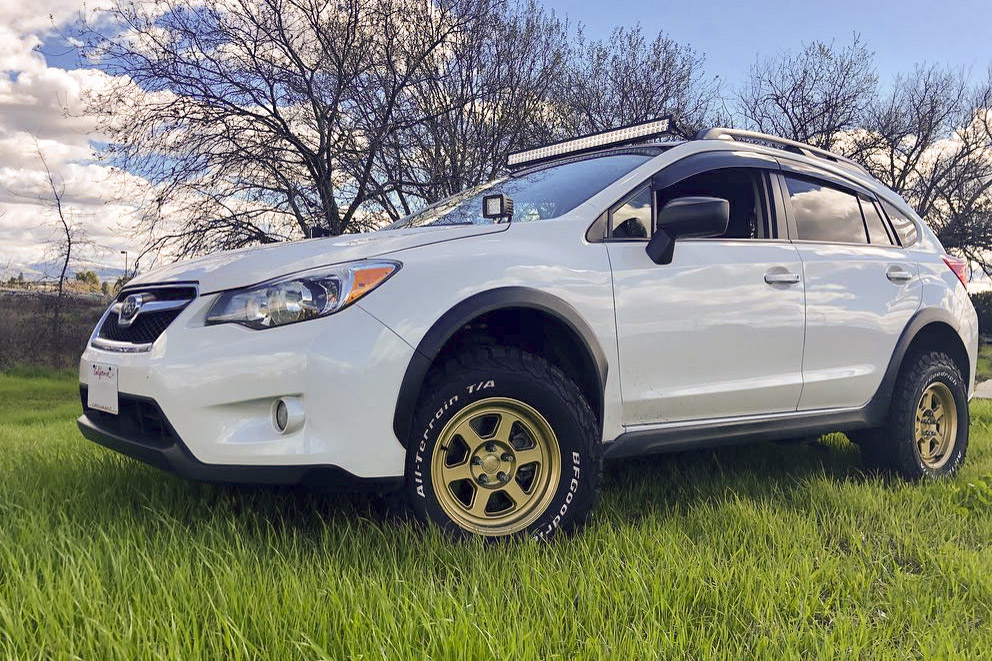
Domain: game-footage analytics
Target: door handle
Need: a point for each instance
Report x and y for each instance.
(897, 274)
(781, 278)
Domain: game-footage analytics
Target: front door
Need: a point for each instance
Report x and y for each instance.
(719, 331)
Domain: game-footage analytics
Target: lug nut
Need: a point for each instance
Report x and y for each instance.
(501, 476)
(490, 447)
(476, 461)
(483, 479)
(507, 456)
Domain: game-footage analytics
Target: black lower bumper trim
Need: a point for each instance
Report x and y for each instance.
(176, 458)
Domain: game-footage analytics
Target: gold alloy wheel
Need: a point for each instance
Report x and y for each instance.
(496, 466)
(936, 425)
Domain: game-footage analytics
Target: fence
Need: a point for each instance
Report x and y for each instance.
(27, 332)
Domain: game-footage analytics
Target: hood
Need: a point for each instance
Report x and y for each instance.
(248, 266)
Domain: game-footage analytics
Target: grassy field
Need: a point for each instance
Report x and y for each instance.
(983, 371)
(769, 552)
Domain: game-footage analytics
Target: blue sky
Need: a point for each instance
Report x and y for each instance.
(40, 80)
(731, 34)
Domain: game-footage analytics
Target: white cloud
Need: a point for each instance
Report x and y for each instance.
(45, 103)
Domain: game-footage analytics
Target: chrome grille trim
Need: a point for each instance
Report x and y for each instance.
(172, 306)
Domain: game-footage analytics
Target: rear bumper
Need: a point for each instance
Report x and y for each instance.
(172, 455)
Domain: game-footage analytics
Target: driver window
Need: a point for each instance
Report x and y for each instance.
(632, 219)
(742, 187)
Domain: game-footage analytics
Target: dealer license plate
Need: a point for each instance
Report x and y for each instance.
(102, 390)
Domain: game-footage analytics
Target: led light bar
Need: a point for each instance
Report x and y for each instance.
(586, 142)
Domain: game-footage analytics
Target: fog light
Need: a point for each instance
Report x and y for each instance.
(287, 414)
(282, 415)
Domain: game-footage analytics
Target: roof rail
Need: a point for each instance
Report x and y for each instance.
(720, 133)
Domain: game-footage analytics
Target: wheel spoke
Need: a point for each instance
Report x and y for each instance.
(462, 471)
(505, 427)
(528, 456)
(515, 492)
(472, 439)
(479, 502)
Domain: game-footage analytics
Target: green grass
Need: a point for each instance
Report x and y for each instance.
(769, 551)
(983, 371)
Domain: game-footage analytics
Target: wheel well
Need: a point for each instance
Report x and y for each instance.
(538, 332)
(939, 336)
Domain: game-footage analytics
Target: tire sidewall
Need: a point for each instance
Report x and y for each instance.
(454, 393)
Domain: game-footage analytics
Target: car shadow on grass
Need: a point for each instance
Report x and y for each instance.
(672, 483)
(110, 487)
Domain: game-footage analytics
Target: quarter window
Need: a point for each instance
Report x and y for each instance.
(824, 213)
(905, 227)
(632, 219)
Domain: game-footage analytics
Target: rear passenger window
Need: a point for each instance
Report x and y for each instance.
(825, 214)
(905, 228)
(877, 234)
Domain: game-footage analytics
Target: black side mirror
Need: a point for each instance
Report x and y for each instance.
(687, 217)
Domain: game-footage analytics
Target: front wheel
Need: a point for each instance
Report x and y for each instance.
(505, 445)
(926, 434)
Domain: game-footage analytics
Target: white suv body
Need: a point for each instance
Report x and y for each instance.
(782, 326)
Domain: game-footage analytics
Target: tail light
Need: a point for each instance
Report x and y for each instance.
(959, 266)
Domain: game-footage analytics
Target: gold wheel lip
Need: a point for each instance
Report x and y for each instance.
(548, 478)
(947, 433)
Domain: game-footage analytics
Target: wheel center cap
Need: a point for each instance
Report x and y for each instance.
(490, 463)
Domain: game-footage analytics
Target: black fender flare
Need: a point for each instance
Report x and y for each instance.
(460, 314)
(878, 408)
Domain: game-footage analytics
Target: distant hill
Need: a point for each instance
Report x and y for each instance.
(50, 270)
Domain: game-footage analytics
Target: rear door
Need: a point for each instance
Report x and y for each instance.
(861, 288)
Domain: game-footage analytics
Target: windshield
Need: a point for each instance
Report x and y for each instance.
(537, 195)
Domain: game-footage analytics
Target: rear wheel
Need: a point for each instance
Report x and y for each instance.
(506, 445)
(926, 434)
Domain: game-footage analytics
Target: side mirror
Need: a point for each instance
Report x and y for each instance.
(687, 217)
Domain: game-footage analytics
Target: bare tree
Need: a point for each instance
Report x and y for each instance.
(903, 127)
(627, 79)
(812, 96)
(67, 238)
(489, 96)
(930, 140)
(961, 176)
(260, 120)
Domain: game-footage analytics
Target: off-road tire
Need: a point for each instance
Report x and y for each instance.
(892, 448)
(482, 374)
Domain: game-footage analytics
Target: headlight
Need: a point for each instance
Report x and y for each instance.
(300, 296)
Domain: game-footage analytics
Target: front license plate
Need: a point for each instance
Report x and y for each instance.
(102, 391)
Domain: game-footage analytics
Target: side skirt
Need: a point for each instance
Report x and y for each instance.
(694, 434)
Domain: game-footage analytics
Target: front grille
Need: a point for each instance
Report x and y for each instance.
(145, 329)
(162, 306)
(138, 419)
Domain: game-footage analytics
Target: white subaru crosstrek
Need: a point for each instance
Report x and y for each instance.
(611, 296)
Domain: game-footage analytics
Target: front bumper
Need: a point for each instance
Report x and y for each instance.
(172, 455)
(216, 386)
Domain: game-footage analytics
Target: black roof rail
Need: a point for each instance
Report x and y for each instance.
(721, 133)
